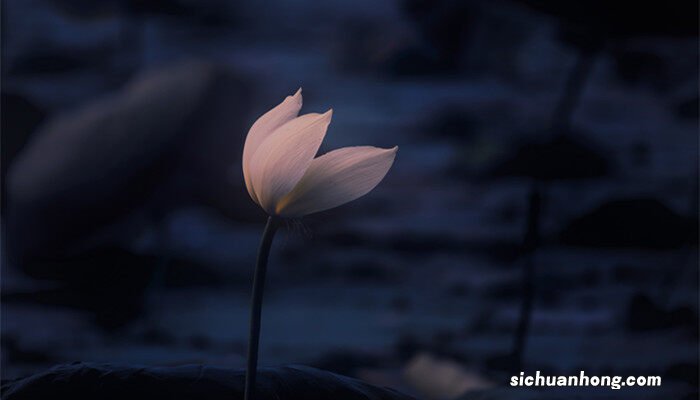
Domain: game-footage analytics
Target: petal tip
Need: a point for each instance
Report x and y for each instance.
(391, 150)
(296, 98)
(326, 116)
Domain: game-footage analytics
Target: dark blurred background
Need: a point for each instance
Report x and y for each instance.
(542, 212)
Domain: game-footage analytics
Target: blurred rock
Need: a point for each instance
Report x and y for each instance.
(640, 223)
(171, 136)
(644, 315)
(442, 379)
(101, 381)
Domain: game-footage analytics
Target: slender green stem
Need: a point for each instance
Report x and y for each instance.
(256, 305)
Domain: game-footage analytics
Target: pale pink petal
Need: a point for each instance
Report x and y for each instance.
(282, 159)
(284, 112)
(336, 178)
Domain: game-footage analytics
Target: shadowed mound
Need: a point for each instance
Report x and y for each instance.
(640, 223)
(103, 381)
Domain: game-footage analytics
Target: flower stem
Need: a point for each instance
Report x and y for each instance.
(256, 305)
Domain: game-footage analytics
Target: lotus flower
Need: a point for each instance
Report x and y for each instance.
(283, 174)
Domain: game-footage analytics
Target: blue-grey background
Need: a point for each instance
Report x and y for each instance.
(129, 237)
